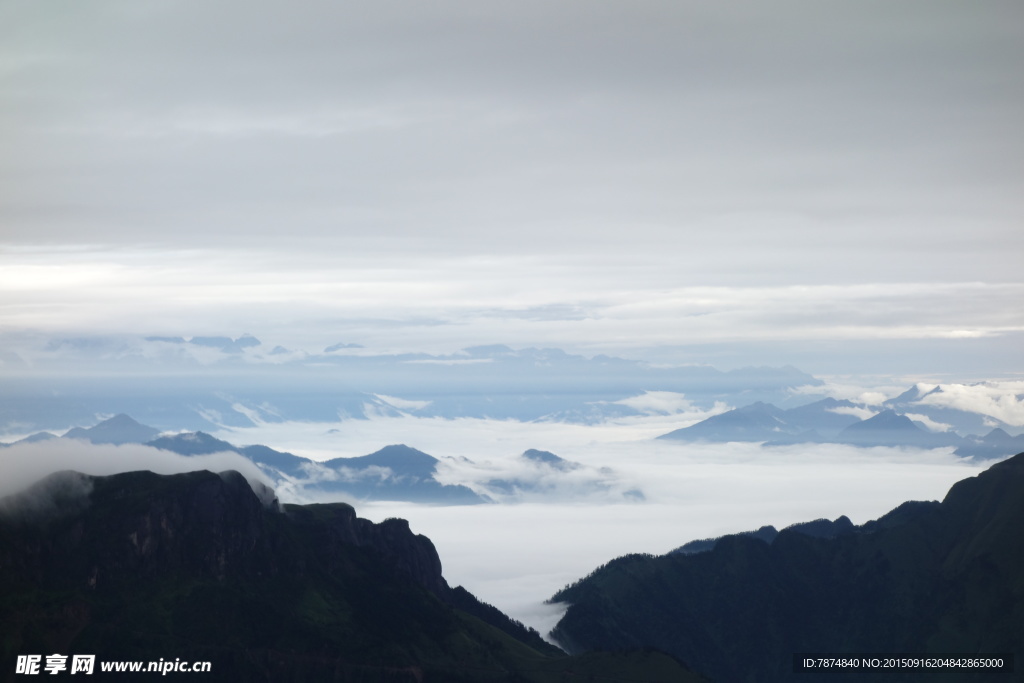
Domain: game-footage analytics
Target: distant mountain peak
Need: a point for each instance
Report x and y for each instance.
(548, 458)
(119, 429)
(997, 435)
(914, 394)
(889, 428)
(887, 419)
(761, 407)
(121, 420)
(192, 443)
(396, 456)
(542, 456)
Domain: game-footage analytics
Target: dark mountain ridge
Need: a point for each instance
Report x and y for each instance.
(925, 578)
(197, 566)
(819, 528)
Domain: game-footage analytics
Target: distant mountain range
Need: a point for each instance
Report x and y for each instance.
(208, 383)
(396, 472)
(201, 567)
(927, 577)
(834, 421)
(392, 473)
(119, 429)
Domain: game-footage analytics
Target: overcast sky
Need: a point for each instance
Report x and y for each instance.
(661, 179)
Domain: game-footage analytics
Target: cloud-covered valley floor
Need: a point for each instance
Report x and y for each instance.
(517, 554)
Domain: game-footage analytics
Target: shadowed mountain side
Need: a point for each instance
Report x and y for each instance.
(925, 578)
(139, 566)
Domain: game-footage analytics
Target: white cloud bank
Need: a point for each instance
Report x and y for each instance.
(401, 303)
(516, 555)
(21, 465)
(1001, 400)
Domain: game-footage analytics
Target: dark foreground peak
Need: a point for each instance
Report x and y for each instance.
(926, 578)
(196, 566)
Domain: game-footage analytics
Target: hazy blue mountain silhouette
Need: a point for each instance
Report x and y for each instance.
(396, 472)
(119, 429)
(927, 402)
(888, 428)
(393, 473)
(756, 422)
(550, 459)
(38, 437)
(759, 421)
(830, 421)
(995, 444)
(821, 416)
(201, 387)
(540, 475)
(399, 457)
(192, 443)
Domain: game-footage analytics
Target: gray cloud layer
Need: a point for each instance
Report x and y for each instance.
(512, 166)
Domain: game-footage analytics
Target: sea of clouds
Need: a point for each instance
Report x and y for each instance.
(560, 523)
(517, 553)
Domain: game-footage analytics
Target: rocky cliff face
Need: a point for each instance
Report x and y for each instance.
(208, 525)
(336, 525)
